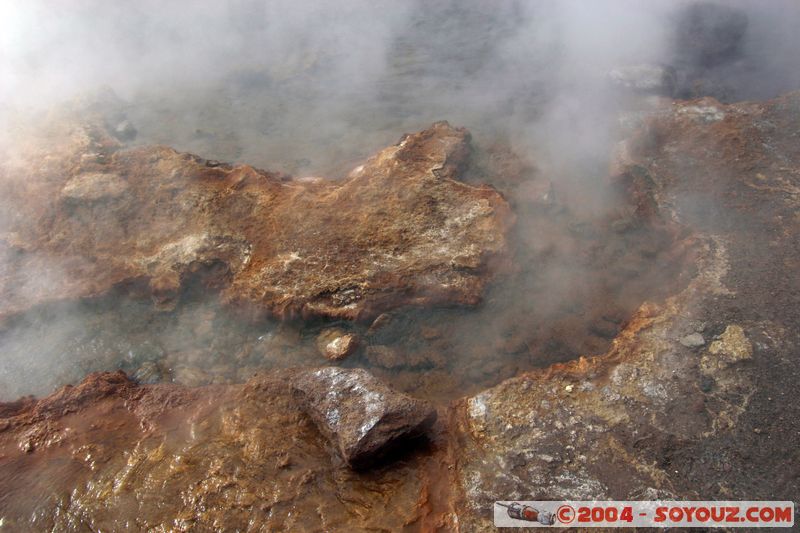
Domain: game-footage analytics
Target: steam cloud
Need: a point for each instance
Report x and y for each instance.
(293, 75)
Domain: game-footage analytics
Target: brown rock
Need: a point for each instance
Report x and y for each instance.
(399, 230)
(112, 453)
(336, 344)
(363, 417)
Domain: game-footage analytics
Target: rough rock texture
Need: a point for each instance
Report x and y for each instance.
(650, 418)
(653, 417)
(108, 455)
(82, 214)
(363, 417)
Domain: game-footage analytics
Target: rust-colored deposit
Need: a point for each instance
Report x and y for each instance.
(83, 215)
(111, 455)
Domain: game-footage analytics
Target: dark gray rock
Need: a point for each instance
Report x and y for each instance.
(363, 417)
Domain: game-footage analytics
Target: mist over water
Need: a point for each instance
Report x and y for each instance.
(312, 88)
(253, 80)
(307, 85)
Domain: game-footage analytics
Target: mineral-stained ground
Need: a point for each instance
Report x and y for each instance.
(398, 230)
(692, 396)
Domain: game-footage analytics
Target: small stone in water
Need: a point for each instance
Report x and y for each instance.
(336, 344)
(341, 347)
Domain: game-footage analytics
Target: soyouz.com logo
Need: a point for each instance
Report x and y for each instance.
(509, 513)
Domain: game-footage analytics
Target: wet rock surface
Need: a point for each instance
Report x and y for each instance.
(108, 454)
(399, 230)
(363, 417)
(651, 417)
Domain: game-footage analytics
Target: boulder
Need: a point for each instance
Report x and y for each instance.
(401, 229)
(363, 418)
